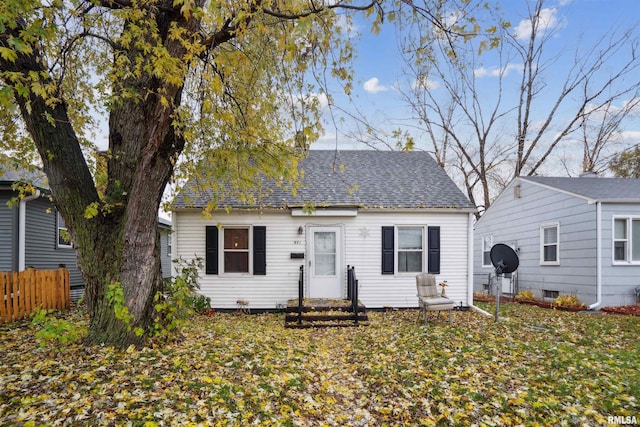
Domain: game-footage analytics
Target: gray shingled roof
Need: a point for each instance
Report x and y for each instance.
(609, 189)
(381, 179)
(8, 176)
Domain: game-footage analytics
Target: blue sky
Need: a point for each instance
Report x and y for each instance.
(379, 66)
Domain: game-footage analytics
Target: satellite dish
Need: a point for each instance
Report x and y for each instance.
(503, 258)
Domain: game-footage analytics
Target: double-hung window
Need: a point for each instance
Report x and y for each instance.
(626, 240)
(410, 249)
(236, 250)
(62, 234)
(487, 243)
(550, 244)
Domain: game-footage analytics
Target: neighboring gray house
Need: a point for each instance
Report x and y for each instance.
(33, 234)
(392, 215)
(574, 236)
(164, 225)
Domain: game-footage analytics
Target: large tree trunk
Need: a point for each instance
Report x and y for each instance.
(119, 243)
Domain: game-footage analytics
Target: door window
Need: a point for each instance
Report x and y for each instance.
(324, 249)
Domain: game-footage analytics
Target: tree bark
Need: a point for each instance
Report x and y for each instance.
(121, 242)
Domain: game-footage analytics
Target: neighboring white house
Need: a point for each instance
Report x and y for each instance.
(391, 215)
(574, 236)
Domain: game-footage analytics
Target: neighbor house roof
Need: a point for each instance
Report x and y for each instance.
(9, 176)
(358, 178)
(595, 188)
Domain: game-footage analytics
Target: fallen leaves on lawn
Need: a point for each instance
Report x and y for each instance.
(631, 310)
(542, 367)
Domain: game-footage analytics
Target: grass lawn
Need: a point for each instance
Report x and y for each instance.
(541, 367)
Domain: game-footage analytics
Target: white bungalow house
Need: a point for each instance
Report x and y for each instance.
(574, 236)
(391, 215)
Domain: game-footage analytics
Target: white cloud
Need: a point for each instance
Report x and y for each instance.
(321, 98)
(496, 72)
(633, 105)
(630, 135)
(373, 86)
(347, 26)
(548, 20)
(452, 18)
(425, 83)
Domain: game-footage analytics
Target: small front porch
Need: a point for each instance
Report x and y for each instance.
(326, 312)
(323, 313)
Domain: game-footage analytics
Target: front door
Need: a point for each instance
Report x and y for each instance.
(325, 262)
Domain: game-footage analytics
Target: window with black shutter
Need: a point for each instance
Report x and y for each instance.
(387, 250)
(236, 249)
(260, 250)
(433, 244)
(211, 262)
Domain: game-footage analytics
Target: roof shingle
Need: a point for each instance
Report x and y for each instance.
(362, 178)
(610, 189)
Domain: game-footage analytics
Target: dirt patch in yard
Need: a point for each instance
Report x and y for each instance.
(630, 310)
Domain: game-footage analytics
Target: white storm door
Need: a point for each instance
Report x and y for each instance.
(325, 262)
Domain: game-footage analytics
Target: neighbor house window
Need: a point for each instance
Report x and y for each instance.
(410, 249)
(169, 244)
(487, 242)
(626, 240)
(549, 244)
(62, 234)
(236, 250)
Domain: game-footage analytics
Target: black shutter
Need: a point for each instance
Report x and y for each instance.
(387, 250)
(212, 250)
(259, 250)
(433, 236)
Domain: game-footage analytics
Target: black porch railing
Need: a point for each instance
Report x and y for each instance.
(352, 290)
(326, 312)
(300, 293)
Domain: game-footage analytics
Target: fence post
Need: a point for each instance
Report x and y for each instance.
(3, 294)
(15, 303)
(66, 287)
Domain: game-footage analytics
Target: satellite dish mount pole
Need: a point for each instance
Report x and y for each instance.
(499, 269)
(504, 260)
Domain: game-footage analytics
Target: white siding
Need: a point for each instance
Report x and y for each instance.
(362, 249)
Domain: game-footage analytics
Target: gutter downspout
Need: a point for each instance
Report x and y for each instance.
(22, 232)
(470, 267)
(598, 302)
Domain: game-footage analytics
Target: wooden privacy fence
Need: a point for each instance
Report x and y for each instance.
(27, 290)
